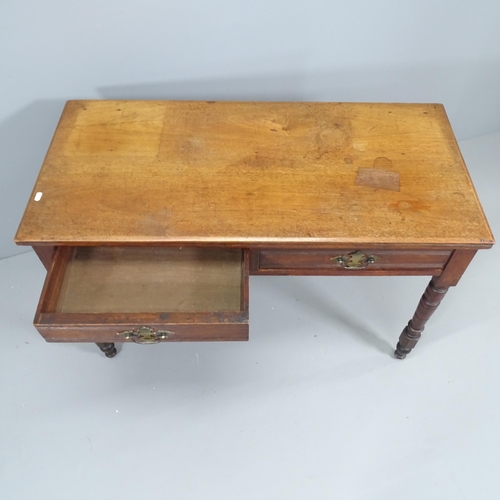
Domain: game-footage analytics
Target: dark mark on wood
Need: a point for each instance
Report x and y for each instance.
(383, 163)
(378, 178)
(409, 205)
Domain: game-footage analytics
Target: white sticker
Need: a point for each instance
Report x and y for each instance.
(38, 196)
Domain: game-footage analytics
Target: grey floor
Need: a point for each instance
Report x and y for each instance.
(313, 407)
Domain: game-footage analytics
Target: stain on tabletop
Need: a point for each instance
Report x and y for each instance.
(381, 176)
(383, 163)
(409, 205)
(378, 179)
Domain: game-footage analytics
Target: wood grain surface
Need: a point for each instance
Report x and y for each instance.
(250, 174)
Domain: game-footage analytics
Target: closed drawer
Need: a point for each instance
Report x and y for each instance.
(145, 295)
(356, 261)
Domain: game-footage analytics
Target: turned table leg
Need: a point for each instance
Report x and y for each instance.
(411, 334)
(431, 299)
(108, 349)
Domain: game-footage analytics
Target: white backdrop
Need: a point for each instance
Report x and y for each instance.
(367, 50)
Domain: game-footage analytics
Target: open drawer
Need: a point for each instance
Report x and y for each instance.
(145, 294)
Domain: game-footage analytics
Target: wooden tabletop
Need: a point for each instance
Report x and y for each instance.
(254, 173)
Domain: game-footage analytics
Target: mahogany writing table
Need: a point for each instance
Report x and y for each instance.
(150, 215)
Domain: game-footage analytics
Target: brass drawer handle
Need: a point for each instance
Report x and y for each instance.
(355, 260)
(146, 335)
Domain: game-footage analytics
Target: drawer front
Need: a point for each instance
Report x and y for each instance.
(356, 261)
(155, 333)
(145, 295)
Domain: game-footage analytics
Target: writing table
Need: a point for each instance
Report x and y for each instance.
(151, 215)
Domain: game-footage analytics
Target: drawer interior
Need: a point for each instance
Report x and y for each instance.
(151, 279)
(98, 294)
